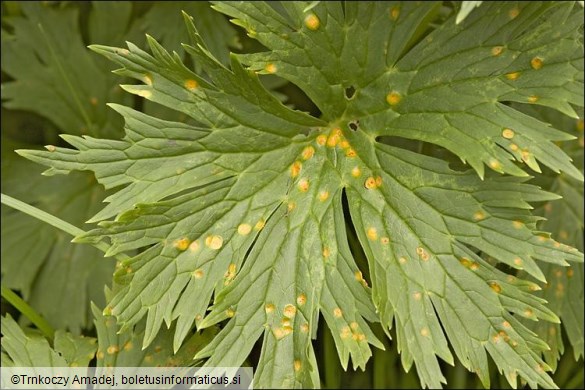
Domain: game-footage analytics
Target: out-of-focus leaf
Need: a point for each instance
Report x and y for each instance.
(40, 261)
(164, 22)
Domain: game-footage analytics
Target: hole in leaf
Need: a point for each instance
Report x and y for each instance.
(349, 92)
(354, 125)
(299, 99)
(426, 148)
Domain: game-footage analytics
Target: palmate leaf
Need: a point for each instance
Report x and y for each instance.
(60, 80)
(40, 261)
(564, 219)
(111, 348)
(29, 350)
(247, 206)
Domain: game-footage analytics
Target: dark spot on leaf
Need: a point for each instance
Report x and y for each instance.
(349, 92)
(354, 125)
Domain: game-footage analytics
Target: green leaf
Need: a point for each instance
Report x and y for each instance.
(54, 74)
(564, 219)
(78, 351)
(163, 21)
(39, 260)
(24, 350)
(247, 204)
(122, 349)
(444, 90)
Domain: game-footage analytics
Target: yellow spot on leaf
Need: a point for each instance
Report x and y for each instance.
(384, 240)
(270, 68)
(191, 84)
(244, 229)
(128, 345)
(393, 98)
(508, 133)
(112, 349)
(291, 206)
(260, 224)
(295, 169)
(290, 310)
(528, 312)
(495, 164)
(518, 261)
(424, 332)
(513, 13)
(497, 50)
(356, 172)
(323, 196)
(512, 75)
(496, 287)
(570, 273)
(301, 299)
(532, 99)
(372, 234)
(402, 260)
(279, 333)
(326, 252)
(394, 13)
(536, 63)
(345, 332)
(513, 147)
(50, 148)
(269, 308)
(337, 312)
(93, 101)
(181, 244)
(517, 224)
(417, 296)
(332, 140)
(506, 324)
(305, 328)
(194, 247)
(479, 215)
(308, 152)
(312, 22)
(297, 365)
(198, 274)
(344, 144)
(303, 185)
(370, 183)
(230, 313)
(214, 242)
(350, 153)
(322, 139)
(422, 253)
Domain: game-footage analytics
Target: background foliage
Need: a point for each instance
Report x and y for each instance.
(51, 84)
